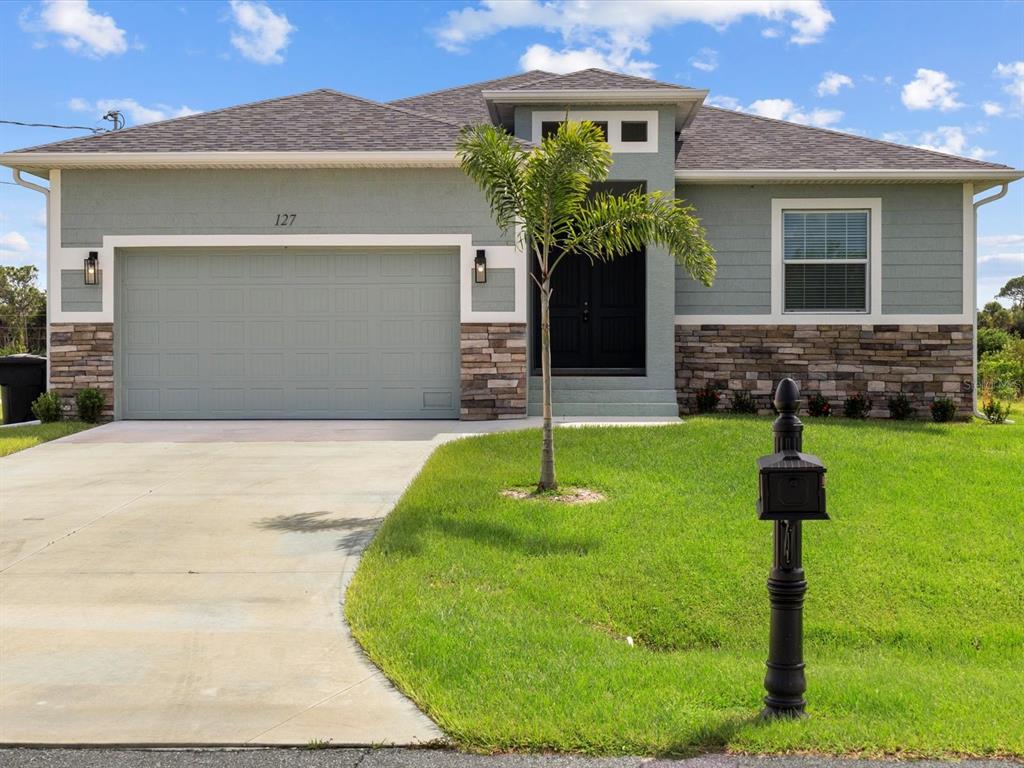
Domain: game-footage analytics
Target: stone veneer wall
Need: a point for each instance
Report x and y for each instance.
(924, 361)
(81, 356)
(493, 371)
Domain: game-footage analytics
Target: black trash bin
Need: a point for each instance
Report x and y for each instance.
(22, 379)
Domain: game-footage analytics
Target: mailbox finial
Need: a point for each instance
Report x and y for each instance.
(787, 396)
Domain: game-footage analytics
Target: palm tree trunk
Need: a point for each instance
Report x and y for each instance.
(547, 450)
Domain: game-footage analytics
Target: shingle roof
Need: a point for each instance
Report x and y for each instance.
(464, 104)
(318, 121)
(595, 79)
(721, 139)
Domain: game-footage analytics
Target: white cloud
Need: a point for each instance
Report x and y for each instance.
(39, 219)
(992, 109)
(771, 32)
(80, 29)
(261, 35)
(135, 113)
(781, 109)
(1014, 72)
(13, 242)
(539, 56)
(951, 140)
(931, 89)
(832, 82)
(1010, 257)
(706, 60)
(1000, 241)
(616, 32)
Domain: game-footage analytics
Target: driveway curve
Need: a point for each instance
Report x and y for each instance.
(182, 583)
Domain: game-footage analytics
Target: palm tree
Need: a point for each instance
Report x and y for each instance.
(545, 190)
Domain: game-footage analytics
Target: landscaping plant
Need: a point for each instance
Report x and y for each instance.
(818, 405)
(707, 400)
(900, 407)
(857, 406)
(994, 410)
(47, 407)
(544, 193)
(943, 409)
(90, 404)
(743, 402)
(1005, 367)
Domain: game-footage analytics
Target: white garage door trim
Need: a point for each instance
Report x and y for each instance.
(392, 351)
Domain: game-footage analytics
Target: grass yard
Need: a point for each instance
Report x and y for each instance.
(505, 620)
(14, 439)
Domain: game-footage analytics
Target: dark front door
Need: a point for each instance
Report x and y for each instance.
(597, 317)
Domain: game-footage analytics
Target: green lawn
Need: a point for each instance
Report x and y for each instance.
(506, 620)
(14, 439)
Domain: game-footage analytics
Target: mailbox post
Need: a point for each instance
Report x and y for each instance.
(792, 489)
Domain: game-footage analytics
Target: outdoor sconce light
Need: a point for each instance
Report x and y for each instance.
(792, 489)
(480, 267)
(92, 268)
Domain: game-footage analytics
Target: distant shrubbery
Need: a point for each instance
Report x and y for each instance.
(1001, 351)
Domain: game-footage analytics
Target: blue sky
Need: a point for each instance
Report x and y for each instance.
(946, 75)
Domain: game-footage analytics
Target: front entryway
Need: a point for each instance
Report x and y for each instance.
(284, 333)
(597, 317)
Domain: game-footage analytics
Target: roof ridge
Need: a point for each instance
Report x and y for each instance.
(467, 85)
(386, 105)
(834, 132)
(637, 78)
(121, 131)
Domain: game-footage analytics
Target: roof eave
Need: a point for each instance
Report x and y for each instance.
(687, 101)
(39, 161)
(824, 175)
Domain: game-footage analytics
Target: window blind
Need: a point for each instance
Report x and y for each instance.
(825, 261)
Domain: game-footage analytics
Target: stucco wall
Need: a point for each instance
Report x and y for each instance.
(922, 245)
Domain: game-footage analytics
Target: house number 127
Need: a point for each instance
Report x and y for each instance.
(284, 220)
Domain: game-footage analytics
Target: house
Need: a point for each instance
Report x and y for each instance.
(315, 256)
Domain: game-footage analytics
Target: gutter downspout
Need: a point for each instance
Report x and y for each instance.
(974, 293)
(16, 175)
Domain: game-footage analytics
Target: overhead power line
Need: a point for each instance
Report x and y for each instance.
(51, 125)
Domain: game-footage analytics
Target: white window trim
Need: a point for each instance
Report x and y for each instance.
(778, 219)
(614, 118)
(874, 311)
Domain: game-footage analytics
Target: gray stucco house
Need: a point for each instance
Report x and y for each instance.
(313, 256)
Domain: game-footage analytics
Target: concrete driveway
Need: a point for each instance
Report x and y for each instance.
(182, 583)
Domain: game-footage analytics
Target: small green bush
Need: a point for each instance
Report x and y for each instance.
(991, 340)
(47, 408)
(90, 404)
(707, 400)
(1005, 368)
(900, 407)
(943, 409)
(743, 402)
(818, 405)
(856, 406)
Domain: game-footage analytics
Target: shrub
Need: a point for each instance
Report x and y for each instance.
(1005, 368)
(818, 405)
(744, 402)
(991, 340)
(900, 407)
(856, 406)
(707, 399)
(90, 404)
(943, 409)
(47, 408)
(993, 409)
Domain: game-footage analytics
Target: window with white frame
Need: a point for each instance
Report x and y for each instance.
(825, 260)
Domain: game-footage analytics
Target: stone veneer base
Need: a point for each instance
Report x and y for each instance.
(82, 356)
(924, 361)
(493, 371)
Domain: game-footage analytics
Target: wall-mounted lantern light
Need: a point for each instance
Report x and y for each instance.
(92, 268)
(480, 267)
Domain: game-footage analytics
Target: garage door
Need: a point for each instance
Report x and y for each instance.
(288, 333)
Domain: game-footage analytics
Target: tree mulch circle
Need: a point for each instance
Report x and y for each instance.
(567, 495)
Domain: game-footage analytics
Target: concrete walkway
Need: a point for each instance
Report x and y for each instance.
(182, 582)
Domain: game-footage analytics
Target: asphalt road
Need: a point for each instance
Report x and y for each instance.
(410, 758)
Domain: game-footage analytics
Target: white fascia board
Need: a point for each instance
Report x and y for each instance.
(768, 176)
(40, 160)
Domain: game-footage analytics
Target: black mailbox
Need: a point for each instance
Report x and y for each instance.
(792, 487)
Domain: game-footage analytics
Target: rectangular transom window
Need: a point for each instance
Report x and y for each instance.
(825, 260)
(634, 131)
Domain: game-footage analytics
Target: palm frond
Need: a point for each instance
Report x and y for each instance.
(611, 226)
(494, 160)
